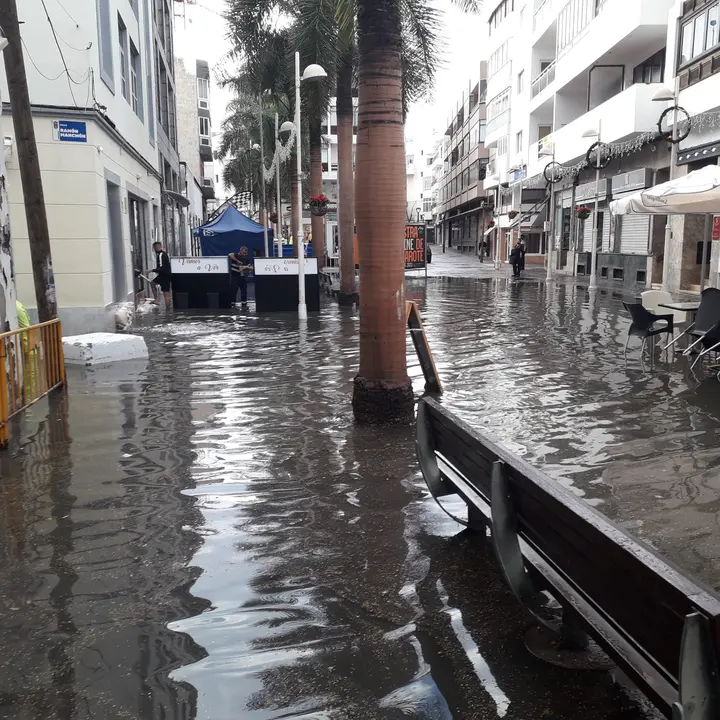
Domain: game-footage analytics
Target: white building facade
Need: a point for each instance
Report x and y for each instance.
(106, 138)
(563, 75)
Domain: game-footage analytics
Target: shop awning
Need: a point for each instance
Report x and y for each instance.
(489, 230)
(176, 197)
(533, 221)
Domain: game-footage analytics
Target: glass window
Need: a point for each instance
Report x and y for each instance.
(519, 142)
(204, 131)
(203, 93)
(699, 35)
(123, 40)
(521, 81)
(135, 81)
(687, 38)
(711, 39)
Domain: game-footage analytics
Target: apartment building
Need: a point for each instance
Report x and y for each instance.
(564, 75)
(510, 67)
(693, 44)
(100, 77)
(464, 207)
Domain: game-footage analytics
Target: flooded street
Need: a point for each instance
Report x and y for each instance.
(208, 535)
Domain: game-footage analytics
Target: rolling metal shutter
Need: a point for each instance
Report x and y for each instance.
(588, 231)
(634, 234)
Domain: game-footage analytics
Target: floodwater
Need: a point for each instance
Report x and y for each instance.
(208, 535)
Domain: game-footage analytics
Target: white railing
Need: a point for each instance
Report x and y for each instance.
(542, 13)
(545, 78)
(497, 122)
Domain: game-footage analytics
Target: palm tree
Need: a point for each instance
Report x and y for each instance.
(346, 179)
(395, 60)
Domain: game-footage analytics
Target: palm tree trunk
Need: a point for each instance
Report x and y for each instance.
(382, 392)
(346, 184)
(294, 202)
(316, 188)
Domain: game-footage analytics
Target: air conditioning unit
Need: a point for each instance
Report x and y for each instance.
(207, 182)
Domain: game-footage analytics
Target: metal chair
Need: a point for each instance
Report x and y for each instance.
(706, 328)
(646, 324)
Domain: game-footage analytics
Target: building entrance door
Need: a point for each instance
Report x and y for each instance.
(138, 242)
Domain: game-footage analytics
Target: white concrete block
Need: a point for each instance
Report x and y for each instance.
(98, 348)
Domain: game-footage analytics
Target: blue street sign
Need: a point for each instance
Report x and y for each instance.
(70, 131)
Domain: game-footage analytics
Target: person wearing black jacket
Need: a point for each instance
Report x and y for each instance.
(516, 255)
(163, 274)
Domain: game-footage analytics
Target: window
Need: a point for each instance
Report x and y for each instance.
(123, 40)
(700, 34)
(519, 142)
(135, 81)
(427, 183)
(521, 81)
(498, 105)
(204, 131)
(204, 94)
(481, 131)
(502, 146)
(498, 59)
(105, 45)
(652, 70)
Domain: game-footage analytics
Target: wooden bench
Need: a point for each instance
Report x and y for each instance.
(659, 626)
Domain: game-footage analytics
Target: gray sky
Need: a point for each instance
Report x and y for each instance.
(462, 52)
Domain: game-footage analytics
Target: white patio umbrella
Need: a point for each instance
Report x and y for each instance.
(697, 193)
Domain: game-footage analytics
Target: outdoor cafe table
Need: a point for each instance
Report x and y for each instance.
(691, 307)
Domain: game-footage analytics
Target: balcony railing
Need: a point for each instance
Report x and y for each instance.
(497, 122)
(543, 12)
(545, 78)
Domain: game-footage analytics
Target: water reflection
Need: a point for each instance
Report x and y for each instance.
(209, 535)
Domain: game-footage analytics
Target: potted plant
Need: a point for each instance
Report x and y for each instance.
(491, 224)
(319, 204)
(513, 214)
(273, 217)
(583, 212)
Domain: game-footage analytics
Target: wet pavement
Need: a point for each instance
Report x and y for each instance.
(208, 535)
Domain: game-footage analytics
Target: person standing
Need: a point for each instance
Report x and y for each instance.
(515, 259)
(239, 267)
(163, 274)
(523, 251)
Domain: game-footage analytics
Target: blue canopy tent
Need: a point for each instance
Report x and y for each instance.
(230, 231)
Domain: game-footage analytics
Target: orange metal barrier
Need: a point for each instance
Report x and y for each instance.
(31, 365)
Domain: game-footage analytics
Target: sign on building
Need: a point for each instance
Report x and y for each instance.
(70, 131)
(414, 246)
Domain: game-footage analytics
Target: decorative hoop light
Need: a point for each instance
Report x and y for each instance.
(553, 172)
(686, 122)
(604, 152)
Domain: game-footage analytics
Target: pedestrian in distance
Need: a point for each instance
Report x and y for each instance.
(240, 266)
(163, 274)
(481, 250)
(515, 259)
(523, 251)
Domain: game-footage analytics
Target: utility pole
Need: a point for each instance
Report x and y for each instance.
(34, 197)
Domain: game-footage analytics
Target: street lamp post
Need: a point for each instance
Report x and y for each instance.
(549, 151)
(312, 72)
(263, 209)
(667, 95)
(594, 250)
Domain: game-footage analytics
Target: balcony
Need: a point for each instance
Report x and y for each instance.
(543, 80)
(543, 16)
(497, 127)
(621, 117)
